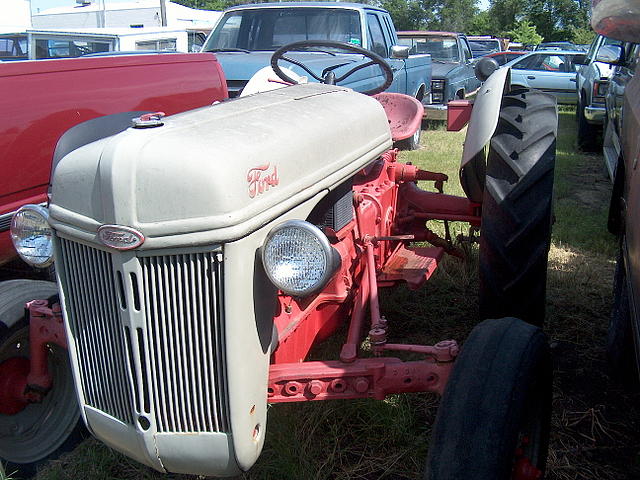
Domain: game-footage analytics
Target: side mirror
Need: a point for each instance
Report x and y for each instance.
(580, 60)
(611, 54)
(400, 51)
(484, 68)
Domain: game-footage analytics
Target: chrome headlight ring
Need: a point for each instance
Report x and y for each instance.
(298, 258)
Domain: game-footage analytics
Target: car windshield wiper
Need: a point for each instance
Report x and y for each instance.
(216, 50)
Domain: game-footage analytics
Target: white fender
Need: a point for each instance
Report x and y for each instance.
(266, 79)
(485, 113)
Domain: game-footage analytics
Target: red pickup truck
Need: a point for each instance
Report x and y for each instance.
(40, 101)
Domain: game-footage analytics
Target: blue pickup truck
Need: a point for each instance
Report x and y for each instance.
(246, 37)
(453, 75)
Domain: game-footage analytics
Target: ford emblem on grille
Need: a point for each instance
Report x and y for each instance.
(119, 237)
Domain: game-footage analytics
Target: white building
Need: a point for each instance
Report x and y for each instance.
(137, 14)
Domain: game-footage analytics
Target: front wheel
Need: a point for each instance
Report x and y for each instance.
(411, 143)
(493, 420)
(31, 434)
(517, 208)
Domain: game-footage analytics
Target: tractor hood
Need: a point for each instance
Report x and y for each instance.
(220, 172)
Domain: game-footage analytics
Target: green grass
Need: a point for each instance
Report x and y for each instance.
(595, 434)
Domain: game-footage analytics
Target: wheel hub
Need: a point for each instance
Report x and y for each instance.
(13, 381)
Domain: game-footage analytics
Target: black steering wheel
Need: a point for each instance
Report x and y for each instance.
(328, 75)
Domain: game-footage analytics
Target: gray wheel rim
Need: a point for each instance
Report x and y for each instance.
(41, 428)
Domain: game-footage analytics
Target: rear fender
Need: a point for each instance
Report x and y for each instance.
(485, 113)
(482, 125)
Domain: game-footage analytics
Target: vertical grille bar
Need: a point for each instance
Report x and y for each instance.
(185, 346)
(180, 349)
(95, 324)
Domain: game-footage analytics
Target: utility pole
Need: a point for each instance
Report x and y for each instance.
(163, 13)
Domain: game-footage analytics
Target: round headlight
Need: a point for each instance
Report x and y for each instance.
(31, 235)
(298, 258)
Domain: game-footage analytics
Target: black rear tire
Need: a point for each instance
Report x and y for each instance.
(517, 208)
(621, 356)
(53, 426)
(587, 133)
(498, 395)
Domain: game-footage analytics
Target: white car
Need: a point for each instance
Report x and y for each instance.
(552, 72)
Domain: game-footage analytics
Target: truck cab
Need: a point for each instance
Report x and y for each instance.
(592, 81)
(246, 36)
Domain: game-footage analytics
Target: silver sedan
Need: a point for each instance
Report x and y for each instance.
(552, 72)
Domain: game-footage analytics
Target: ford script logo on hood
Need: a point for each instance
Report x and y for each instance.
(120, 238)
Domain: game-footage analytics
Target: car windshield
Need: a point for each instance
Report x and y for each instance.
(270, 28)
(442, 49)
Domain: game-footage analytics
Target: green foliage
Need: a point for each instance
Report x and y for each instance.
(581, 35)
(481, 24)
(406, 15)
(553, 19)
(457, 15)
(525, 33)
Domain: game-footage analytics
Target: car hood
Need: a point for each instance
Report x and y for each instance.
(242, 66)
(439, 70)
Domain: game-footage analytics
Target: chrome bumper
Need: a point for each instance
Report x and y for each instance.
(435, 111)
(595, 115)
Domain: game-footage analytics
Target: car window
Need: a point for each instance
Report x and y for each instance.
(267, 30)
(466, 50)
(549, 62)
(378, 43)
(444, 49)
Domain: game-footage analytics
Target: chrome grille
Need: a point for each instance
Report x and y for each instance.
(183, 310)
(92, 312)
(167, 366)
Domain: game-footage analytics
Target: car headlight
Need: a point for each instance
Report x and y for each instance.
(437, 84)
(298, 258)
(31, 235)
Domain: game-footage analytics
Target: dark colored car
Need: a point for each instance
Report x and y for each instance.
(484, 45)
(621, 20)
(626, 58)
(452, 74)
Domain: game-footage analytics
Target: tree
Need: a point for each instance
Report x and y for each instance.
(482, 24)
(406, 14)
(457, 15)
(525, 33)
(582, 35)
(554, 19)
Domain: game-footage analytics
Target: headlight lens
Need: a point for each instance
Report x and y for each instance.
(437, 85)
(298, 258)
(31, 235)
